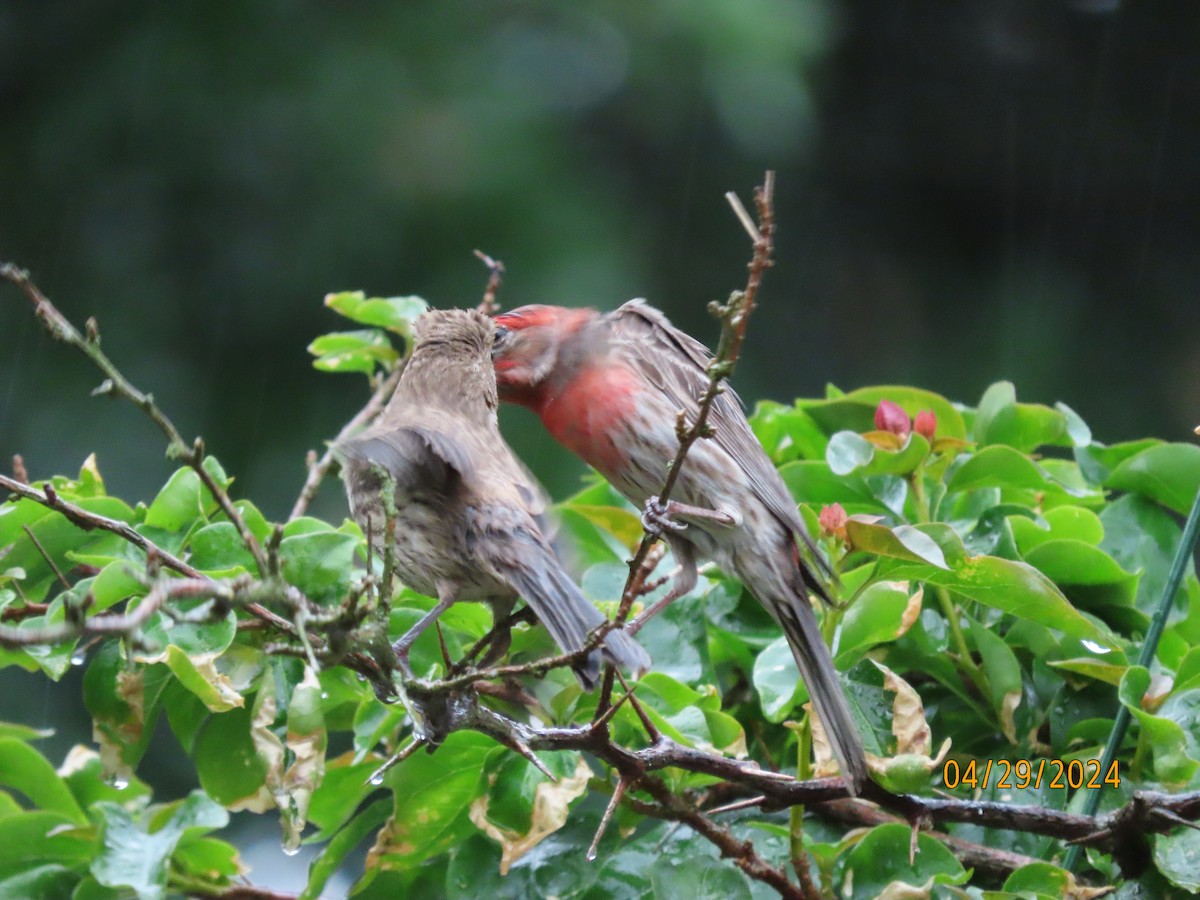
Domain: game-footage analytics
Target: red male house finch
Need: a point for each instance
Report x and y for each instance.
(609, 387)
(466, 510)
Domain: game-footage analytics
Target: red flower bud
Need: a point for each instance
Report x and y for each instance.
(890, 417)
(833, 521)
(925, 424)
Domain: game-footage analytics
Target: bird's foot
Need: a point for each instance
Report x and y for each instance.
(658, 516)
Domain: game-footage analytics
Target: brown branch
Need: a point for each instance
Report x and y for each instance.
(250, 600)
(990, 862)
(88, 521)
(674, 808)
(1123, 832)
(734, 316)
(119, 623)
(238, 892)
(488, 305)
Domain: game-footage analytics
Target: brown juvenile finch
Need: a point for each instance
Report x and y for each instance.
(467, 511)
(609, 387)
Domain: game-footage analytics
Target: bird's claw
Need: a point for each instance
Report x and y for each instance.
(657, 516)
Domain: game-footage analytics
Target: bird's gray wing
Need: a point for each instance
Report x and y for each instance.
(419, 460)
(676, 364)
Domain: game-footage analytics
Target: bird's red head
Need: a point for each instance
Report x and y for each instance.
(527, 349)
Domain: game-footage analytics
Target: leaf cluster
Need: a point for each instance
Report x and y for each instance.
(995, 578)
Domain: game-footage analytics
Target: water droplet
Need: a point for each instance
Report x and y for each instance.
(120, 783)
(360, 676)
(591, 856)
(377, 779)
(79, 657)
(291, 849)
(324, 695)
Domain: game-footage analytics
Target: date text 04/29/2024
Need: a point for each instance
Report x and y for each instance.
(1005, 774)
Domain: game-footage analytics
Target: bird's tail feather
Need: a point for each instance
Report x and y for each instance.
(825, 688)
(569, 617)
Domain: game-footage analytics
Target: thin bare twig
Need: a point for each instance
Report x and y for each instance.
(734, 316)
(488, 305)
(613, 803)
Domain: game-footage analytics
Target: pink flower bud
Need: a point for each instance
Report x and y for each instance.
(833, 521)
(890, 417)
(925, 424)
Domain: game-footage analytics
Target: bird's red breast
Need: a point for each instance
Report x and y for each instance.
(589, 414)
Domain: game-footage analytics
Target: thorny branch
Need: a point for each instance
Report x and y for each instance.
(1122, 832)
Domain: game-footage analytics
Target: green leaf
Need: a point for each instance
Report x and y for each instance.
(17, 731)
(1040, 878)
(698, 878)
(1167, 473)
(331, 857)
(787, 433)
(1166, 739)
(1000, 419)
(997, 466)
(26, 770)
(1072, 562)
(319, 563)
(353, 351)
(850, 452)
(675, 695)
(56, 537)
(34, 839)
(136, 856)
(855, 411)
(340, 792)
(123, 701)
(218, 550)
(200, 675)
(90, 782)
(432, 794)
(878, 615)
(49, 882)
(812, 481)
(1097, 461)
(117, 581)
(1003, 676)
(178, 504)
(1011, 587)
(209, 859)
(882, 857)
(903, 542)
(1175, 855)
(395, 313)
(228, 764)
(1142, 536)
(1071, 522)
(777, 680)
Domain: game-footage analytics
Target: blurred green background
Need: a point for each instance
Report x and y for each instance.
(966, 192)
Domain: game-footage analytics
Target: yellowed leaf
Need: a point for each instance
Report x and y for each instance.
(551, 802)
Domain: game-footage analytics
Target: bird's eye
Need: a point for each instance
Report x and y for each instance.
(501, 338)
